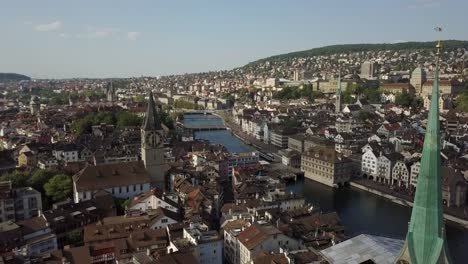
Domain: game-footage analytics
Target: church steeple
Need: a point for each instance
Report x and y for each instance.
(425, 241)
(338, 95)
(110, 92)
(152, 121)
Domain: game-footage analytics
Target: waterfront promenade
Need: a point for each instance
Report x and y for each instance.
(457, 215)
(250, 140)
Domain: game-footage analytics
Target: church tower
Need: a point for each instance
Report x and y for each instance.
(110, 92)
(34, 105)
(425, 241)
(338, 104)
(152, 138)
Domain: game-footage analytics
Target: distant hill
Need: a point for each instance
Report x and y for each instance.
(13, 77)
(347, 48)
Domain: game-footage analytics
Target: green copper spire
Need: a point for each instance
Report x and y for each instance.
(425, 240)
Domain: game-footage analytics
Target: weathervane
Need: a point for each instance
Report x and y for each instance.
(439, 45)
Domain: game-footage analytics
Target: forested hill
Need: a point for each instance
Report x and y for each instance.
(348, 48)
(13, 77)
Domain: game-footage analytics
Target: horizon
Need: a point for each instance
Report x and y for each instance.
(219, 70)
(118, 39)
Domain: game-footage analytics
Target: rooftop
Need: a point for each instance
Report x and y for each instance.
(363, 248)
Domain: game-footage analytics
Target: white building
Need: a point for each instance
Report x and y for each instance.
(67, 153)
(231, 244)
(262, 237)
(400, 173)
(369, 163)
(155, 198)
(415, 167)
(208, 244)
(123, 180)
(385, 165)
(18, 204)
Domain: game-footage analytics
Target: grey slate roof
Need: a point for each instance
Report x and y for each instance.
(364, 247)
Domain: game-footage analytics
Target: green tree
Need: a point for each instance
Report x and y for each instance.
(121, 205)
(364, 115)
(187, 105)
(139, 99)
(58, 187)
(372, 95)
(125, 118)
(462, 102)
(40, 177)
(347, 97)
(403, 99)
(84, 124)
(17, 178)
(166, 119)
(75, 238)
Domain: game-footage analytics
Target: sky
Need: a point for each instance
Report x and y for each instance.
(125, 38)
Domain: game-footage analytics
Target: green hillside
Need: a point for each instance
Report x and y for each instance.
(347, 48)
(13, 77)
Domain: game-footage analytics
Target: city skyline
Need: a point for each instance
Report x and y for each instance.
(96, 40)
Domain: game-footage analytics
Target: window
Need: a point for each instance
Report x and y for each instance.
(127, 188)
(164, 220)
(141, 187)
(134, 188)
(120, 189)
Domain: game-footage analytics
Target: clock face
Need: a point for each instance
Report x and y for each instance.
(154, 139)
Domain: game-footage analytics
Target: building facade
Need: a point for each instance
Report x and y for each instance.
(326, 166)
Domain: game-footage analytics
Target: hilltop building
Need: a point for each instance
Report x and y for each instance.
(369, 70)
(418, 77)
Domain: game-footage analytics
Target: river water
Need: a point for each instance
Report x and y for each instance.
(360, 212)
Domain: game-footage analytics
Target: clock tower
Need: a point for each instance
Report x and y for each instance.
(152, 138)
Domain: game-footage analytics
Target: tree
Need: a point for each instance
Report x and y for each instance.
(403, 99)
(139, 99)
(125, 118)
(187, 105)
(462, 102)
(17, 178)
(58, 187)
(364, 115)
(84, 124)
(40, 177)
(166, 119)
(121, 204)
(75, 238)
(347, 97)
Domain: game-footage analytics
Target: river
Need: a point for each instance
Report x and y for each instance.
(360, 212)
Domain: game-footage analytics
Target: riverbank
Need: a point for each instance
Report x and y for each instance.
(360, 211)
(451, 219)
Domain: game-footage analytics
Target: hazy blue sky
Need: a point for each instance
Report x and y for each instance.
(118, 38)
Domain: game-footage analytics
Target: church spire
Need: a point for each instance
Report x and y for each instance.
(152, 121)
(338, 94)
(425, 240)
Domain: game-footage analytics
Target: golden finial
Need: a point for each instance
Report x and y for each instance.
(439, 45)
